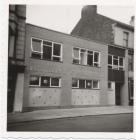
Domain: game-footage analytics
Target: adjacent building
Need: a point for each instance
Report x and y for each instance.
(16, 55)
(120, 40)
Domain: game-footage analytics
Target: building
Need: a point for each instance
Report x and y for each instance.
(49, 69)
(120, 40)
(16, 47)
(63, 71)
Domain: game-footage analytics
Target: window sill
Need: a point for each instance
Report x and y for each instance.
(32, 86)
(47, 60)
(87, 65)
(86, 88)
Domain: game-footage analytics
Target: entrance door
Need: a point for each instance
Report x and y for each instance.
(117, 93)
(11, 91)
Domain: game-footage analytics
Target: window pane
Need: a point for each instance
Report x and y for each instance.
(115, 61)
(36, 55)
(83, 58)
(34, 80)
(45, 81)
(47, 52)
(56, 49)
(81, 83)
(89, 84)
(74, 83)
(96, 56)
(47, 43)
(95, 83)
(55, 82)
(90, 59)
(76, 52)
(109, 59)
(36, 45)
(121, 61)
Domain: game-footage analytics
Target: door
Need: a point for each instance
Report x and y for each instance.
(117, 93)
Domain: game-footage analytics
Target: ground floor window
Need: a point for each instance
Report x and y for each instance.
(85, 84)
(45, 81)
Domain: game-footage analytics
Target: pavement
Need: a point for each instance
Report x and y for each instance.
(65, 113)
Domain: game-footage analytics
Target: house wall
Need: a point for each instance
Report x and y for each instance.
(64, 96)
(118, 37)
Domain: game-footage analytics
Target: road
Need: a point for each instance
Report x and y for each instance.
(101, 123)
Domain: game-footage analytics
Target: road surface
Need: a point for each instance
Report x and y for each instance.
(101, 123)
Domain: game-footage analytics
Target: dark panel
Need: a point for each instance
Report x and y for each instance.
(116, 51)
(115, 75)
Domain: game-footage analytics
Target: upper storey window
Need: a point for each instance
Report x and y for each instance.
(115, 62)
(86, 57)
(47, 50)
(125, 39)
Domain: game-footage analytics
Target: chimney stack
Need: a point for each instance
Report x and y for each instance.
(132, 21)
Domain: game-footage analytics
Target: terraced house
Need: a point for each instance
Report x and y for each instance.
(120, 40)
(90, 67)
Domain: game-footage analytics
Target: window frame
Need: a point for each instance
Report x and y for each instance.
(52, 48)
(59, 81)
(93, 84)
(118, 66)
(77, 83)
(86, 53)
(125, 40)
(39, 81)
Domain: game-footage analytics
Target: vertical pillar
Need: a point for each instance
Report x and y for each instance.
(18, 103)
(124, 88)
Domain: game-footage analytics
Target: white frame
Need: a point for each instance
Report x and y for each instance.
(118, 66)
(61, 46)
(86, 50)
(59, 82)
(77, 83)
(39, 81)
(93, 84)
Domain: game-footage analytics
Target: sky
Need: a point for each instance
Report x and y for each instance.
(63, 18)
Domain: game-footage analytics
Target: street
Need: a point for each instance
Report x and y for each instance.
(100, 123)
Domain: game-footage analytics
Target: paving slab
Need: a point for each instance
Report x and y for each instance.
(63, 113)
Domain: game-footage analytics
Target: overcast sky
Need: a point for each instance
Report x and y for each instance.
(63, 18)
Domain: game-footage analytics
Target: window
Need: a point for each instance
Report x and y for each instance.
(34, 80)
(110, 85)
(130, 62)
(55, 82)
(45, 81)
(81, 83)
(115, 62)
(85, 84)
(95, 84)
(89, 84)
(36, 48)
(125, 38)
(86, 57)
(76, 58)
(75, 83)
(46, 50)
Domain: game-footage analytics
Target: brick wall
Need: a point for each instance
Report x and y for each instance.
(66, 70)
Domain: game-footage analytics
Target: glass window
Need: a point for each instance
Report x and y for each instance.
(45, 81)
(36, 45)
(90, 58)
(81, 83)
(121, 61)
(55, 82)
(76, 52)
(110, 59)
(95, 84)
(34, 80)
(74, 83)
(89, 84)
(125, 39)
(83, 57)
(96, 57)
(56, 49)
(47, 52)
